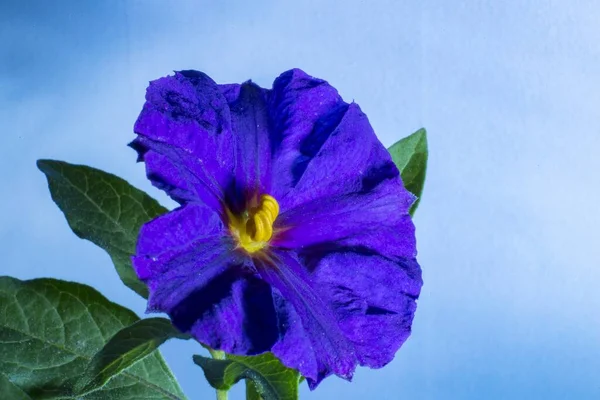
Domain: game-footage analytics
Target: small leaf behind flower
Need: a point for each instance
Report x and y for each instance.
(51, 329)
(125, 348)
(410, 156)
(103, 209)
(270, 378)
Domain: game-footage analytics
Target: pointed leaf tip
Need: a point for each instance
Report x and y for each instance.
(410, 156)
(103, 209)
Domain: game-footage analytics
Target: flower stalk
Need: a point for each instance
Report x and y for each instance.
(219, 355)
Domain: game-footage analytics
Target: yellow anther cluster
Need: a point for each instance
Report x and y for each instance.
(260, 225)
(254, 228)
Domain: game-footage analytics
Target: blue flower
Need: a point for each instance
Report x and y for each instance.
(293, 234)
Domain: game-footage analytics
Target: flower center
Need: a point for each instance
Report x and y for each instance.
(254, 228)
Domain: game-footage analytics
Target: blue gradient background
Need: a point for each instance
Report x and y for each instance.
(508, 226)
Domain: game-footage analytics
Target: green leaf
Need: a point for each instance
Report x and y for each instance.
(128, 346)
(252, 391)
(50, 330)
(410, 156)
(271, 379)
(103, 209)
(11, 391)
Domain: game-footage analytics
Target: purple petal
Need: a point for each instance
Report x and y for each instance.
(182, 176)
(322, 146)
(376, 220)
(185, 137)
(349, 194)
(321, 338)
(374, 300)
(250, 124)
(342, 310)
(346, 159)
(231, 312)
(207, 288)
(294, 345)
(301, 108)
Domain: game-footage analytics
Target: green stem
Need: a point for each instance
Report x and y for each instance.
(222, 395)
(219, 355)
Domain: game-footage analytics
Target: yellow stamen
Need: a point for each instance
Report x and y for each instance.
(259, 228)
(254, 228)
(269, 203)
